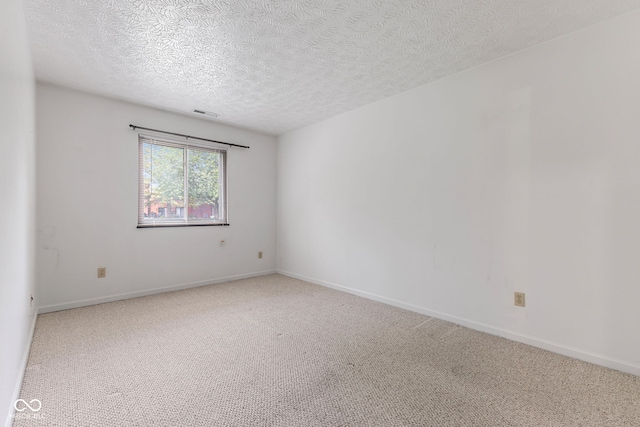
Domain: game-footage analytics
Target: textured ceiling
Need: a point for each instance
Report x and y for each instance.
(275, 65)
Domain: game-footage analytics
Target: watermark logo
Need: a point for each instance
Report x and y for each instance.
(37, 405)
(34, 406)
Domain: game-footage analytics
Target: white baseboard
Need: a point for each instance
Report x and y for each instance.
(23, 368)
(118, 297)
(576, 353)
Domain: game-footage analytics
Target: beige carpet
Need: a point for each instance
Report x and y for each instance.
(274, 351)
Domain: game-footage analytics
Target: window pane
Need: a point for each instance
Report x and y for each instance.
(163, 182)
(204, 185)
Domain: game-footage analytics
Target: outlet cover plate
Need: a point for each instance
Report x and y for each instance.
(518, 299)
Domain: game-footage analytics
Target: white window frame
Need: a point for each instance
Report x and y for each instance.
(182, 222)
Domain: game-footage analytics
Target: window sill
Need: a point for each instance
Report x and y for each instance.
(181, 225)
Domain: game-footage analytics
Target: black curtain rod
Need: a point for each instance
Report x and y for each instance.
(134, 127)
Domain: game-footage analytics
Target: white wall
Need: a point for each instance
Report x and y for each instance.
(520, 175)
(87, 204)
(17, 195)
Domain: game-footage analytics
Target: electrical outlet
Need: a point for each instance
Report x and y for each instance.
(518, 299)
(260, 254)
(102, 272)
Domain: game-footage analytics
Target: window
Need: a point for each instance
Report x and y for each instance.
(181, 184)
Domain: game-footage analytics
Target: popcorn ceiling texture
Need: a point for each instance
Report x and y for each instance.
(275, 351)
(274, 65)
